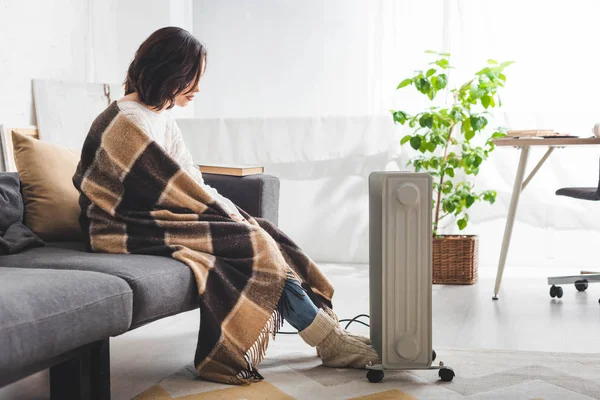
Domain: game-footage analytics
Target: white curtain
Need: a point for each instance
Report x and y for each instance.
(342, 59)
(552, 85)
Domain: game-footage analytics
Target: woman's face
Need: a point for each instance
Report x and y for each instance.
(184, 98)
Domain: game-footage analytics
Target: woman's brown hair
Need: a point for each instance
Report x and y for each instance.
(164, 66)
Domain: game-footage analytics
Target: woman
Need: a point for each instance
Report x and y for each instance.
(142, 193)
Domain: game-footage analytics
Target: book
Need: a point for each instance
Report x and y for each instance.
(233, 170)
(532, 133)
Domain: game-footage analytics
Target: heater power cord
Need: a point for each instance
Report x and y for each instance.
(349, 321)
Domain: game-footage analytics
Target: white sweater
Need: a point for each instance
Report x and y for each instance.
(162, 128)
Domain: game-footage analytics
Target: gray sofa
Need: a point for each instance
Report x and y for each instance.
(59, 304)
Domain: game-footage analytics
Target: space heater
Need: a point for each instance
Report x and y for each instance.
(400, 273)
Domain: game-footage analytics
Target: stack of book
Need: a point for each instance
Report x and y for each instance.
(232, 170)
(536, 133)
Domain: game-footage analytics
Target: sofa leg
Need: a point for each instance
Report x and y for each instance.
(83, 377)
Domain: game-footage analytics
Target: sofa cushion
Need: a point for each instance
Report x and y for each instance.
(14, 236)
(51, 201)
(161, 286)
(44, 313)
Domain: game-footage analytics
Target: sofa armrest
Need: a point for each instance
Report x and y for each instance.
(258, 195)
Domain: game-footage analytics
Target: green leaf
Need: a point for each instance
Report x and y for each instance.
(399, 117)
(485, 101)
(447, 187)
(430, 52)
(426, 121)
(456, 114)
(478, 122)
(415, 142)
(449, 207)
(404, 83)
(475, 92)
(490, 196)
(450, 172)
(405, 139)
(445, 54)
(431, 146)
(462, 223)
(442, 63)
(506, 64)
(422, 85)
(502, 77)
(469, 200)
(483, 71)
(412, 123)
(467, 130)
(430, 72)
(441, 82)
(493, 62)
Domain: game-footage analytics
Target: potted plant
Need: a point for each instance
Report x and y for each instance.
(453, 142)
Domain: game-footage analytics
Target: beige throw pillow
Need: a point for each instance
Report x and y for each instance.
(51, 201)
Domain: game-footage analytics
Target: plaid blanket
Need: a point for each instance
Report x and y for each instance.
(136, 199)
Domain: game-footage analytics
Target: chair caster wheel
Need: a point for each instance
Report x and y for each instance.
(581, 285)
(446, 374)
(433, 355)
(375, 375)
(556, 291)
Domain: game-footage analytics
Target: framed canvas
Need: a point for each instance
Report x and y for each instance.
(8, 158)
(65, 110)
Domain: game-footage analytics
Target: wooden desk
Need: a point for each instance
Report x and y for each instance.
(520, 183)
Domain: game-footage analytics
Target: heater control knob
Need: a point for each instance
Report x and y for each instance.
(407, 348)
(408, 194)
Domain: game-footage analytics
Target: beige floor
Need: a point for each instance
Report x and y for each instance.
(525, 318)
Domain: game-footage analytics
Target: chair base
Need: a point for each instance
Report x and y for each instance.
(580, 282)
(558, 280)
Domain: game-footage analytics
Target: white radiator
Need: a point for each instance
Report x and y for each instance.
(400, 240)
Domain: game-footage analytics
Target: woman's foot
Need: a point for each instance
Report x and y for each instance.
(335, 347)
(358, 337)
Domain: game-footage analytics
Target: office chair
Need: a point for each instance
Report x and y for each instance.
(581, 281)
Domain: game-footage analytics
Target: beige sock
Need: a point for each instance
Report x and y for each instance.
(335, 347)
(358, 337)
(318, 330)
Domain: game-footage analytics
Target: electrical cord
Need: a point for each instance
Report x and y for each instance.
(349, 322)
(355, 319)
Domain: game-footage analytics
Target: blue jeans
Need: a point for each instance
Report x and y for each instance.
(297, 308)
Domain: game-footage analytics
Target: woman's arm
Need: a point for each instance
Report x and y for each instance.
(180, 153)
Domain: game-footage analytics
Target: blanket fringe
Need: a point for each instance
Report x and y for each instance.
(256, 353)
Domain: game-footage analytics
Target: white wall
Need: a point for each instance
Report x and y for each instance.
(38, 39)
(119, 27)
(283, 58)
(75, 40)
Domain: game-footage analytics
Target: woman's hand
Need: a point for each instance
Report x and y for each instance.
(239, 219)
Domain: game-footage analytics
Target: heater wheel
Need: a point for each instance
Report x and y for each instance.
(375, 375)
(446, 374)
(433, 355)
(556, 291)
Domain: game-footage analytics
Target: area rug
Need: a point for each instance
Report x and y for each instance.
(292, 371)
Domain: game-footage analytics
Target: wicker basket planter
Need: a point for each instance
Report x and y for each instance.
(455, 260)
